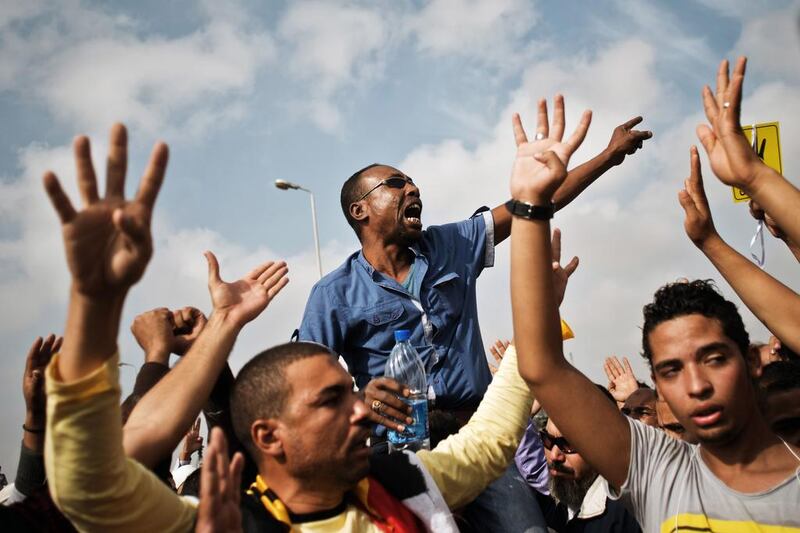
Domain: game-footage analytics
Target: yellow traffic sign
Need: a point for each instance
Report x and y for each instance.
(767, 144)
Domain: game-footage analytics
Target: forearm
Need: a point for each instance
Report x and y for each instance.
(90, 335)
(772, 302)
(33, 432)
(152, 432)
(465, 463)
(579, 178)
(778, 197)
(30, 469)
(533, 301)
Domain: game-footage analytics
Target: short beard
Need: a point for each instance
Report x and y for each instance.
(570, 492)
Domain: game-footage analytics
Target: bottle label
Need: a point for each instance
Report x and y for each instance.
(416, 431)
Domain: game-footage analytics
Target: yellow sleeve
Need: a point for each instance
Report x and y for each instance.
(91, 480)
(465, 463)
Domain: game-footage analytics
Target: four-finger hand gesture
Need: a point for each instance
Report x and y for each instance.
(108, 244)
(33, 380)
(621, 379)
(729, 152)
(243, 300)
(193, 442)
(540, 166)
(220, 492)
(699, 224)
(625, 140)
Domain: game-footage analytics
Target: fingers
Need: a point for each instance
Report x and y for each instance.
(710, 106)
(627, 365)
(542, 123)
(608, 371)
(87, 181)
(209, 479)
(133, 224)
(153, 176)
(213, 268)
(632, 122)
(117, 162)
(558, 118)
(32, 353)
(722, 81)
(519, 131)
(236, 468)
(552, 162)
(571, 266)
(58, 198)
(733, 94)
(57, 344)
(555, 245)
(707, 137)
(196, 426)
(577, 137)
(696, 189)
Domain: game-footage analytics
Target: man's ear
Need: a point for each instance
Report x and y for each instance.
(358, 211)
(266, 435)
(753, 359)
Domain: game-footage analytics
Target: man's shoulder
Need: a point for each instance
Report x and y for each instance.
(339, 276)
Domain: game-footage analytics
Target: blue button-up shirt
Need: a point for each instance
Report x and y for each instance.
(355, 311)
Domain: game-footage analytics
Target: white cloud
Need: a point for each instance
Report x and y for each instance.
(333, 46)
(488, 30)
(772, 42)
(91, 69)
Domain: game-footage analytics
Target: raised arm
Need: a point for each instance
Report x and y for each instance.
(624, 141)
(108, 245)
(732, 158)
(774, 304)
(585, 417)
(159, 420)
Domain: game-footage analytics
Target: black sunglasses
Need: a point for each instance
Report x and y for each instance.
(549, 441)
(395, 182)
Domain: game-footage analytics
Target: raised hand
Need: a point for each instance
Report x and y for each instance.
(243, 300)
(561, 274)
(536, 176)
(189, 323)
(220, 494)
(382, 396)
(699, 224)
(732, 158)
(153, 330)
(33, 391)
(108, 244)
(621, 379)
(193, 442)
(498, 350)
(625, 140)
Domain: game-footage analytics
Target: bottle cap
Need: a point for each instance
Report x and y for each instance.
(402, 335)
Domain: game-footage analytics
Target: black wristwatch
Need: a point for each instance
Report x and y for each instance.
(530, 211)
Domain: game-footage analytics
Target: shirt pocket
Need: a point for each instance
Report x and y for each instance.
(383, 313)
(446, 300)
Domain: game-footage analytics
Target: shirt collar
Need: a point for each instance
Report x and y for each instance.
(594, 503)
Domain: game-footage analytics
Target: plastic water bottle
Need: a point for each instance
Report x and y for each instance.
(405, 366)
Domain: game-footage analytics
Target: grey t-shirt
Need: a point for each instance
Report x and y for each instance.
(669, 483)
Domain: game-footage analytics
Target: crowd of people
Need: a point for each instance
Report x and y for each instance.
(298, 436)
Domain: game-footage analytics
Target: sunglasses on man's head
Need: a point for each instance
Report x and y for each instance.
(549, 441)
(395, 182)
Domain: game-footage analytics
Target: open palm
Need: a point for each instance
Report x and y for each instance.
(245, 299)
(528, 171)
(108, 244)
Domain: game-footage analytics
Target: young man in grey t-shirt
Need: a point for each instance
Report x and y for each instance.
(741, 476)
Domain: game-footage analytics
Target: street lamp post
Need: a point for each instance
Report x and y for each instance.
(287, 185)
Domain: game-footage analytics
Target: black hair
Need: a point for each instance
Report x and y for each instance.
(780, 376)
(261, 389)
(351, 191)
(688, 298)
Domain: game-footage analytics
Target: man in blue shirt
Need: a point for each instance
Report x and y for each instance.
(423, 281)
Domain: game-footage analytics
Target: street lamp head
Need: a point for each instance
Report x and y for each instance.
(285, 185)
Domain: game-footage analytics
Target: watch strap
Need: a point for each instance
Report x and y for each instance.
(530, 211)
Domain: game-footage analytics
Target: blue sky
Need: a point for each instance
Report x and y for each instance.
(247, 92)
